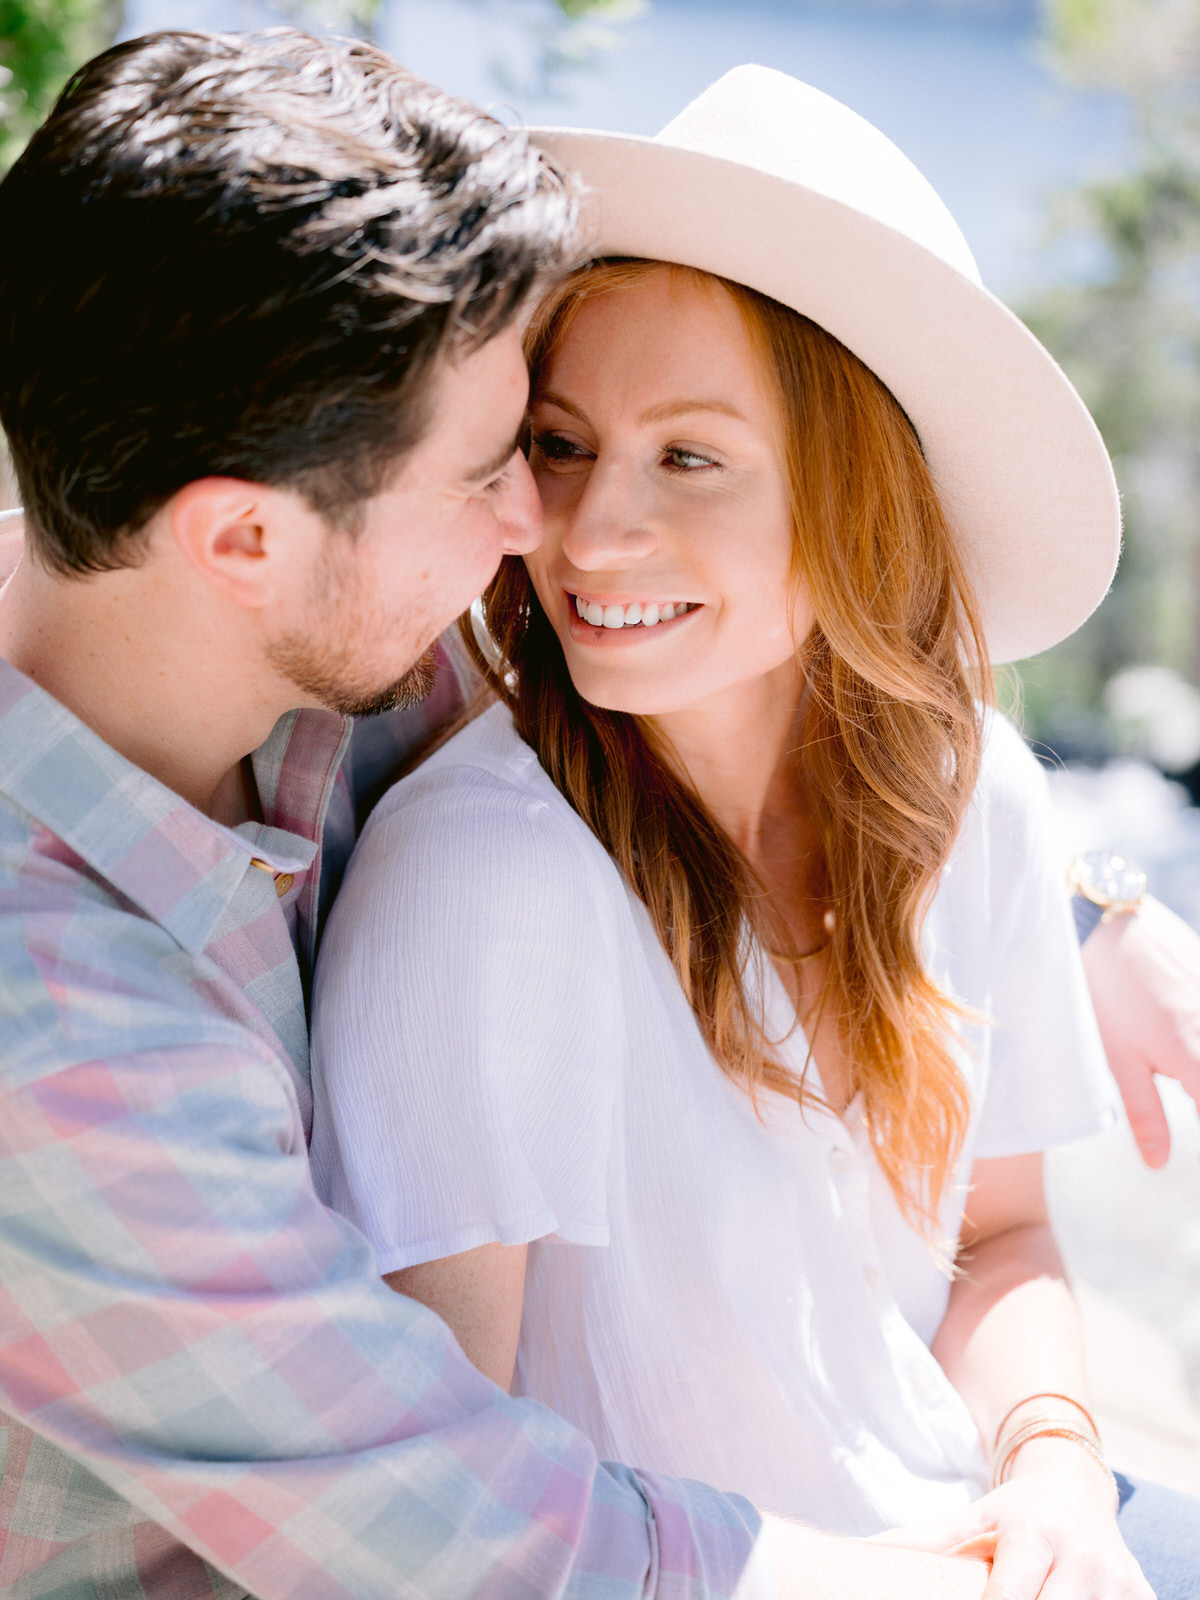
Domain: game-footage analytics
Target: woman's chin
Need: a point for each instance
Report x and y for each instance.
(634, 700)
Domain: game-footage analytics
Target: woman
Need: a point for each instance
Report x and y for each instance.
(675, 1007)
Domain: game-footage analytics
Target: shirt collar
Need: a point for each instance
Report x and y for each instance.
(176, 864)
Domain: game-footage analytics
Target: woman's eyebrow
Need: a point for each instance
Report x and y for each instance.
(679, 408)
(665, 412)
(550, 398)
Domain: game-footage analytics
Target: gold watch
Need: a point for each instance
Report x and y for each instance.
(1103, 886)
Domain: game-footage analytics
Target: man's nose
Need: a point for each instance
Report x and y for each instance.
(520, 509)
(610, 523)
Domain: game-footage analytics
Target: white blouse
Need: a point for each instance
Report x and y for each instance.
(502, 1052)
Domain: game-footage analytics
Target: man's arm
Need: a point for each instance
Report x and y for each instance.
(1143, 970)
(817, 1566)
(185, 1317)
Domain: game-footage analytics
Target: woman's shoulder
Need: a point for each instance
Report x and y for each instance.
(484, 773)
(1011, 780)
(1007, 835)
(488, 746)
(484, 812)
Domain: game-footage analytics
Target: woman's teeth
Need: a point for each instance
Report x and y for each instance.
(630, 616)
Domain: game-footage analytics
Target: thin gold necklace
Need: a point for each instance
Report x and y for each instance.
(828, 922)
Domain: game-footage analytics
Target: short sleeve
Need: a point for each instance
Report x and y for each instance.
(1048, 1081)
(466, 1023)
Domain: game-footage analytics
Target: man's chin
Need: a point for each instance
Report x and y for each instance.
(324, 681)
(407, 691)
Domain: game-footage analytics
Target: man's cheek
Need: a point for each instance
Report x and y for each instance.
(485, 561)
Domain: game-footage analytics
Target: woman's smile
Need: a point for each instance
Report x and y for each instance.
(605, 621)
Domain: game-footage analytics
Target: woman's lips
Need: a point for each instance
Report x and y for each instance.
(607, 624)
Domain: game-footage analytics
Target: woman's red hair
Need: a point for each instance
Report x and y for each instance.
(889, 745)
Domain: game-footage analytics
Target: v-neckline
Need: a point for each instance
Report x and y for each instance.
(787, 1032)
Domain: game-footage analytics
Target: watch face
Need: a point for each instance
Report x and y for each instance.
(1110, 880)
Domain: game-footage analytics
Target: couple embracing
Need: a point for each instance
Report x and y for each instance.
(690, 1020)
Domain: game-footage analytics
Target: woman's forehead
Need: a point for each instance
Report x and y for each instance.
(666, 326)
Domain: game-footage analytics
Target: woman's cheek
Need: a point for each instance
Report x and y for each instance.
(557, 491)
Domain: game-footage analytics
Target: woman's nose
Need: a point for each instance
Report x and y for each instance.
(609, 524)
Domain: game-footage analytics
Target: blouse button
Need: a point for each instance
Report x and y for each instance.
(839, 1159)
(283, 883)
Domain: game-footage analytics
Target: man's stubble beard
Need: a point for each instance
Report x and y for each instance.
(325, 675)
(322, 663)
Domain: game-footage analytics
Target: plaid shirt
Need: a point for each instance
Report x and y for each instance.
(208, 1391)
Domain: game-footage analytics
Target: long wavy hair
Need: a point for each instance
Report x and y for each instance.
(889, 746)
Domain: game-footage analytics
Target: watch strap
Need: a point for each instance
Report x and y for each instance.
(1088, 916)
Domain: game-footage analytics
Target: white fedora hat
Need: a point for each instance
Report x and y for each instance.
(773, 184)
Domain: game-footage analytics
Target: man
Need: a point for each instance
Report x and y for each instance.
(261, 376)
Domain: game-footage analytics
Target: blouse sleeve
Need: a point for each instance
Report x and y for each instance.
(466, 1024)
(1048, 1081)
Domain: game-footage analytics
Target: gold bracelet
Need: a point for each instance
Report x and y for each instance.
(1067, 1400)
(1046, 1428)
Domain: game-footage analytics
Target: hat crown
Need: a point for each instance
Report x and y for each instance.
(764, 119)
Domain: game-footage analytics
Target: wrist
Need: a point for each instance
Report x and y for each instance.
(1062, 1463)
(1051, 1430)
(1104, 887)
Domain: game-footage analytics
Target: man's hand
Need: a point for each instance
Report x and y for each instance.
(820, 1566)
(1143, 970)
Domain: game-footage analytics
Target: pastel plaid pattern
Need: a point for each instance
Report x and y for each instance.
(208, 1393)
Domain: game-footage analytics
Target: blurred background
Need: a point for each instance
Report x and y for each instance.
(1065, 137)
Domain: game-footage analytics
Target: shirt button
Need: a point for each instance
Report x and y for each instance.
(839, 1160)
(871, 1274)
(283, 883)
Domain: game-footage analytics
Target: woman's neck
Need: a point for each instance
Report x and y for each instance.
(736, 752)
(733, 750)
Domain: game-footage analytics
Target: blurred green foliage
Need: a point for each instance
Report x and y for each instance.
(41, 44)
(574, 36)
(575, 9)
(1129, 336)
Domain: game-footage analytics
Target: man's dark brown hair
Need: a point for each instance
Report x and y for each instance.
(240, 255)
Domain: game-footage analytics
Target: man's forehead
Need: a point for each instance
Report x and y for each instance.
(477, 413)
(481, 404)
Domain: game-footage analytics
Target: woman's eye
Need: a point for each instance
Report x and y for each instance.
(677, 458)
(498, 482)
(553, 447)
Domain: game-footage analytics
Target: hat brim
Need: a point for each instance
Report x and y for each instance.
(1019, 465)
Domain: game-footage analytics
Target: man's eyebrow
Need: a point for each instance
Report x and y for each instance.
(661, 413)
(501, 459)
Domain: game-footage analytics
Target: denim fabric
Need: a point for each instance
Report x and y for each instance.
(1162, 1529)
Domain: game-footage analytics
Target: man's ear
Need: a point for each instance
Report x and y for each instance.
(237, 534)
